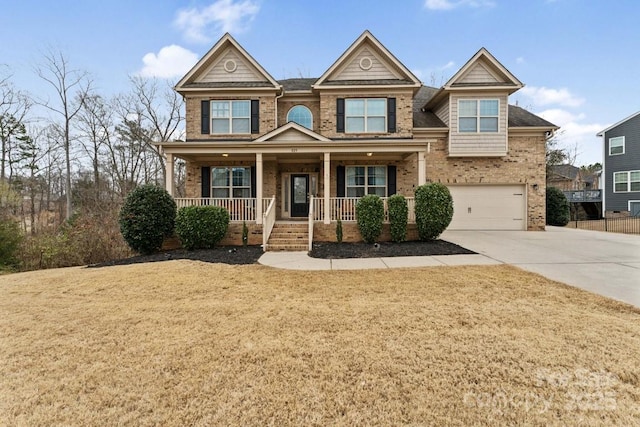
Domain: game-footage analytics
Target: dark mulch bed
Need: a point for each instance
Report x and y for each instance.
(365, 250)
(223, 254)
(237, 255)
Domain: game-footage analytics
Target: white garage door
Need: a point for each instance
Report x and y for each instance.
(488, 207)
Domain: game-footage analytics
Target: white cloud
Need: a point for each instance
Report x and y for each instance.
(576, 134)
(223, 15)
(171, 61)
(545, 96)
(448, 65)
(452, 4)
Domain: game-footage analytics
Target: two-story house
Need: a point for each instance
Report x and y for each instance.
(307, 148)
(621, 167)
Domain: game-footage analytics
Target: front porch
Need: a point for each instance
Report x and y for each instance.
(320, 216)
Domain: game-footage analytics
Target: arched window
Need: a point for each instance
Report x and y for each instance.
(300, 115)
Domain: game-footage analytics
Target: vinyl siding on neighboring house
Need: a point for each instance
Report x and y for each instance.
(628, 161)
(467, 144)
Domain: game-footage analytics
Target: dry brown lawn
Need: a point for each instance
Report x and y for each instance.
(187, 343)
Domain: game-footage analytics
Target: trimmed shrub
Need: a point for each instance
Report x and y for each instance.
(434, 210)
(370, 215)
(339, 231)
(557, 207)
(147, 217)
(10, 238)
(245, 233)
(398, 217)
(201, 227)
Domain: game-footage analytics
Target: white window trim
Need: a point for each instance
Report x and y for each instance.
(366, 116)
(230, 187)
(628, 181)
(230, 118)
(366, 179)
(478, 116)
(623, 145)
(308, 109)
(629, 204)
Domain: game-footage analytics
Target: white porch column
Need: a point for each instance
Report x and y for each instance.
(327, 188)
(258, 188)
(168, 185)
(422, 168)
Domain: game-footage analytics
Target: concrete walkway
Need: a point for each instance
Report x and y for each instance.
(604, 263)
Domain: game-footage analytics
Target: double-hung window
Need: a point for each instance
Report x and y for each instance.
(616, 145)
(229, 117)
(231, 182)
(478, 115)
(366, 115)
(362, 180)
(626, 181)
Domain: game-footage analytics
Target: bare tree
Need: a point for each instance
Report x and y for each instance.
(161, 108)
(71, 87)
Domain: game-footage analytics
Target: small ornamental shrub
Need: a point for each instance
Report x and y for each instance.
(434, 210)
(370, 215)
(146, 218)
(201, 227)
(10, 238)
(339, 231)
(398, 217)
(557, 207)
(245, 233)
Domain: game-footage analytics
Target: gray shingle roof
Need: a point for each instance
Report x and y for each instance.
(519, 117)
(565, 171)
(297, 84)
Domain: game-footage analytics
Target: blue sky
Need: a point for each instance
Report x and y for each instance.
(579, 60)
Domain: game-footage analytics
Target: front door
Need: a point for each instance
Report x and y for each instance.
(299, 195)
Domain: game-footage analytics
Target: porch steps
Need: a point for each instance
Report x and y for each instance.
(289, 237)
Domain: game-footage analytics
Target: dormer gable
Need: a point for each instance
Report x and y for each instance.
(292, 132)
(483, 71)
(227, 65)
(367, 63)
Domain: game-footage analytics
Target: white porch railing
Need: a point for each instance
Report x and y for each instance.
(344, 208)
(239, 209)
(268, 221)
(311, 220)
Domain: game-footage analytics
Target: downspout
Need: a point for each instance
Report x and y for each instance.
(276, 107)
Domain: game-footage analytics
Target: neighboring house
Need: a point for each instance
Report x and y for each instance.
(621, 174)
(580, 186)
(272, 150)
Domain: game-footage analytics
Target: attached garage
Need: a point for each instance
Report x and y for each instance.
(488, 207)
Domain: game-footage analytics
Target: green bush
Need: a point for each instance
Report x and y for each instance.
(557, 207)
(147, 217)
(370, 215)
(245, 233)
(339, 231)
(201, 227)
(398, 217)
(434, 210)
(10, 238)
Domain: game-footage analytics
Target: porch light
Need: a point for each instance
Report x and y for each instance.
(369, 154)
(225, 155)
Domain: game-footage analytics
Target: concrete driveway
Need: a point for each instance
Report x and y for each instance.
(604, 263)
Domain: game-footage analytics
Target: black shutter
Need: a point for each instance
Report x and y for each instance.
(204, 118)
(340, 188)
(340, 115)
(391, 115)
(255, 116)
(206, 182)
(391, 180)
(253, 182)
